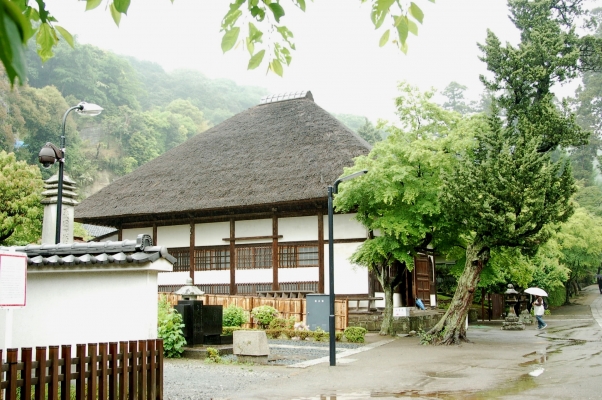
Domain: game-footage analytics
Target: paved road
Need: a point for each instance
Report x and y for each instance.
(562, 362)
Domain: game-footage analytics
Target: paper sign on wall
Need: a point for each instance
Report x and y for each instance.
(13, 279)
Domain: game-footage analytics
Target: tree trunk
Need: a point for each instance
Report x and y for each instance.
(387, 326)
(451, 328)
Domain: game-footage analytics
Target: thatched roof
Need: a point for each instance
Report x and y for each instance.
(281, 152)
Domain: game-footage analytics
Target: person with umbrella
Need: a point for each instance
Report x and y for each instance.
(538, 306)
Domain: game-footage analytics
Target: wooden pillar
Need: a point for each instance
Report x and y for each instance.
(155, 243)
(232, 258)
(320, 252)
(275, 263)
(119, 234)
(191, 251)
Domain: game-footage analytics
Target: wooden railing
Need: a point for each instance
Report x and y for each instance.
(124, 370)
(286, 307)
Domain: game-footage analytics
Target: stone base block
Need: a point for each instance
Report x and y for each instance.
(252, 359)
(250, 343)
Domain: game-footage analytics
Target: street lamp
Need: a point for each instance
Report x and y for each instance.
(334, 189)
(51, 154)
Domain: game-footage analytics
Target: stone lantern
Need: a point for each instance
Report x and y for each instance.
(511, 322)
(202, 323)
(189, 291)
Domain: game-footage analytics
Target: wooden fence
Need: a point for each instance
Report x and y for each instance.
(287, 307)
(124, 370)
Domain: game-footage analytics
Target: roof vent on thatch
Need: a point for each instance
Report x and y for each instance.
(273, 98)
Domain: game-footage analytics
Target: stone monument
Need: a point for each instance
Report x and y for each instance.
(49, 200)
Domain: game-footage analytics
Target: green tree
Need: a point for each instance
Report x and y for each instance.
(20, 208)
(369, 133)
(454, 92)
(245, 22)
(508, 189)
(398, 199)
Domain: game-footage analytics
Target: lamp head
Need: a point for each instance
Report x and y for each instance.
(88, 109)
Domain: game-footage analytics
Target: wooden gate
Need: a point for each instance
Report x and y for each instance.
(422, 281)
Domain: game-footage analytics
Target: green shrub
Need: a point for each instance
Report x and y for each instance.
(263, 315)
(213, 355)
(320, 335)
(289, 333)
(169, 328)
(355, 334)
(273, 333)
(234, 316)
(228, 330)
(338, 336)
(282, 323)
(557, 296)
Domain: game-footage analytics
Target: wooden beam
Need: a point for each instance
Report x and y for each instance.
(320, 252)
(275, 236)
(231, 239)
(232, 257)
(191, 251)
(155, 235)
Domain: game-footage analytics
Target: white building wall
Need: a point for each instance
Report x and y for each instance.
(212, 277)
(105, 304)
(112, 238)
(132, 234)
(349, 278)
(345, 226)
(212, 234)
(305, 274)
(297, 229)
(254, 275)
(254, 227)
(173, 236)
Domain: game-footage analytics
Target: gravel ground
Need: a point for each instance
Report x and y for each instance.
(190, 379)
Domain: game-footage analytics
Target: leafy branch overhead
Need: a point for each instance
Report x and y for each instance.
(245, 22)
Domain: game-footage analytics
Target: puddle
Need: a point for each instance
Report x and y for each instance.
(445, 375)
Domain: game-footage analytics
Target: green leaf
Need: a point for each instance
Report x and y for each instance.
(230, 38)
(231, 18)
(14, 13)
(92, 4)
(416, 12)
(45, 38)
(277, 10)
(301, 4)
(254, 33)
(250, 46)
(384, 38)
(122, 5)
(276, 67)
(402, 28)
(11, 48)
(256, 60)
(115, 14)
(257, 13)
(380, 9)
(65, 34)
(412, 27)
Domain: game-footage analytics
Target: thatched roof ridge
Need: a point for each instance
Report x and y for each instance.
(272, 153)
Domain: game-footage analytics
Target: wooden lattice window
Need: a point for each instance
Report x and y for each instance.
(294, 256)
(211, 259)
(254, 257)
(182, 256)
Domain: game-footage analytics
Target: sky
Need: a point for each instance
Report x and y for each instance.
(338, 57)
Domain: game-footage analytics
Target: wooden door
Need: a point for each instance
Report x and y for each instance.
(422, 282)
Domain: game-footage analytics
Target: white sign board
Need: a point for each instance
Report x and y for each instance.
(401, 311)
(13, 279)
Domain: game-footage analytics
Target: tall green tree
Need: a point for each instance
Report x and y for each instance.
(508, 189)
(454, 92)
(20, 208)
(398, 199)
(369, 132)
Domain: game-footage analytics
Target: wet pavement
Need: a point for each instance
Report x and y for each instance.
(561, 362)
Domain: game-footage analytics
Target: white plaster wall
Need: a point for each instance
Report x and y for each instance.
(348, 278)
(173, 236)
(345, 226)
(131, 234)
(212, 234)
(255, 227)
(254, 275)
(297, 229)
(112, 238)
(306, 274)
(172, 278)
(212, 277)
(111, 304)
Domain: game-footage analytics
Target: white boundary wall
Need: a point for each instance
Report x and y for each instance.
(87, 304)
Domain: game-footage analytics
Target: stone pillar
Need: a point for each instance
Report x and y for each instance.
(49, 197)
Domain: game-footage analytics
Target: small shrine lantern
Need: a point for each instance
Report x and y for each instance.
(511, 298)
(189, 291)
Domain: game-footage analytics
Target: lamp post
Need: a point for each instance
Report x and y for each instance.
(331, 326)
(49, 154)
